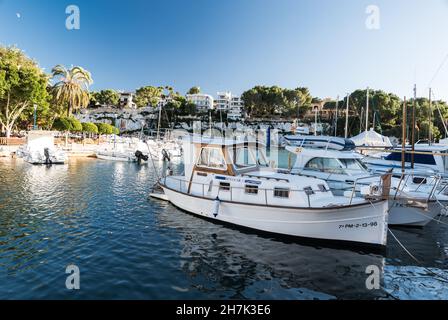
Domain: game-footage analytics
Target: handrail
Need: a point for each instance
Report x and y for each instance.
(184, 180)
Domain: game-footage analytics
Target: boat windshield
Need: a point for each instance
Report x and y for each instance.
(247, 157)
(212, 158)
(352, 166)
(336, 166)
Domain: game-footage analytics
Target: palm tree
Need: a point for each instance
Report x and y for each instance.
(72, 87)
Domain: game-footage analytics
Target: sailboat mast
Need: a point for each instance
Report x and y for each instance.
(414, 106)
(336, 119)
(159, 122)
(430, 117)
(346, 117)
(403, 138)
(367, 110)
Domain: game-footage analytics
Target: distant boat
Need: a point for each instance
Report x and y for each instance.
(127, 150)
(40, 149)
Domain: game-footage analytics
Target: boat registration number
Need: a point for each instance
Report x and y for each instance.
(372, 224)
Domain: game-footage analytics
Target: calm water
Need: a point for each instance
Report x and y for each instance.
(97, 215)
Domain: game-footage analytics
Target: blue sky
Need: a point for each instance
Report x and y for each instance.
(236, 44)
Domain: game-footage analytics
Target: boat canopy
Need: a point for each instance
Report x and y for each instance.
(321, 142)
(371, 138)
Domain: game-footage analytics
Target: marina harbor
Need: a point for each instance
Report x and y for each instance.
(223, 159)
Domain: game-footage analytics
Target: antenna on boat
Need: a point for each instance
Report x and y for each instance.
(336, 119)
(367, 110)
(346, 116)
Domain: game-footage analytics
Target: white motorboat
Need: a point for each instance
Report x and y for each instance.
(40, 149)
(410, 204)
(229, 182)
(428, 158)
(132, 150)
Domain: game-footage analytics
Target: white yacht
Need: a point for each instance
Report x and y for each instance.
(40, 149)
(230, 182)
(411, 204)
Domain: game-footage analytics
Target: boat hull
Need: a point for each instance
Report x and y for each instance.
(407, 216)
(116, 158)
(360, 224)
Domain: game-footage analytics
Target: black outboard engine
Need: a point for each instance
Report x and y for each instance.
(166, 155)
(140, 156)
(47, 156)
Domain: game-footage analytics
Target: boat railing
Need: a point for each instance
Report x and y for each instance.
(186, 186)
(358, 180)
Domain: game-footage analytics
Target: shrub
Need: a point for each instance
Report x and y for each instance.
(76, 125)
(89, 127)
(105, 128)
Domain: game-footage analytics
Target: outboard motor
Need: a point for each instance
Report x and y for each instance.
(166, 156)
(140, 156)
(47, 156)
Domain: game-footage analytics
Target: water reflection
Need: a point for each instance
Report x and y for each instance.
(220, 258)
(97, 215)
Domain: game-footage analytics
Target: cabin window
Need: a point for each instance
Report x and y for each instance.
(224, 186)
(246, 157)
(281, 192)
(251, 189)
(322, 188)
(427, 159)
(212, 158)
(308, 190)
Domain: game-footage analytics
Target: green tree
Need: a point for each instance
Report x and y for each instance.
(296, 100)
(71, 87)
(148, 96)
(106, 97)
(62, 124)
(194, 90)
(22, 84)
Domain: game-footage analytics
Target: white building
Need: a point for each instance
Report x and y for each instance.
(222, 102)
(127, 100)
(231, 104)
(236, 108)
(202, 101)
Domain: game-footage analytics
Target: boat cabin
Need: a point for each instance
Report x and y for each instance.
(239, 171)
